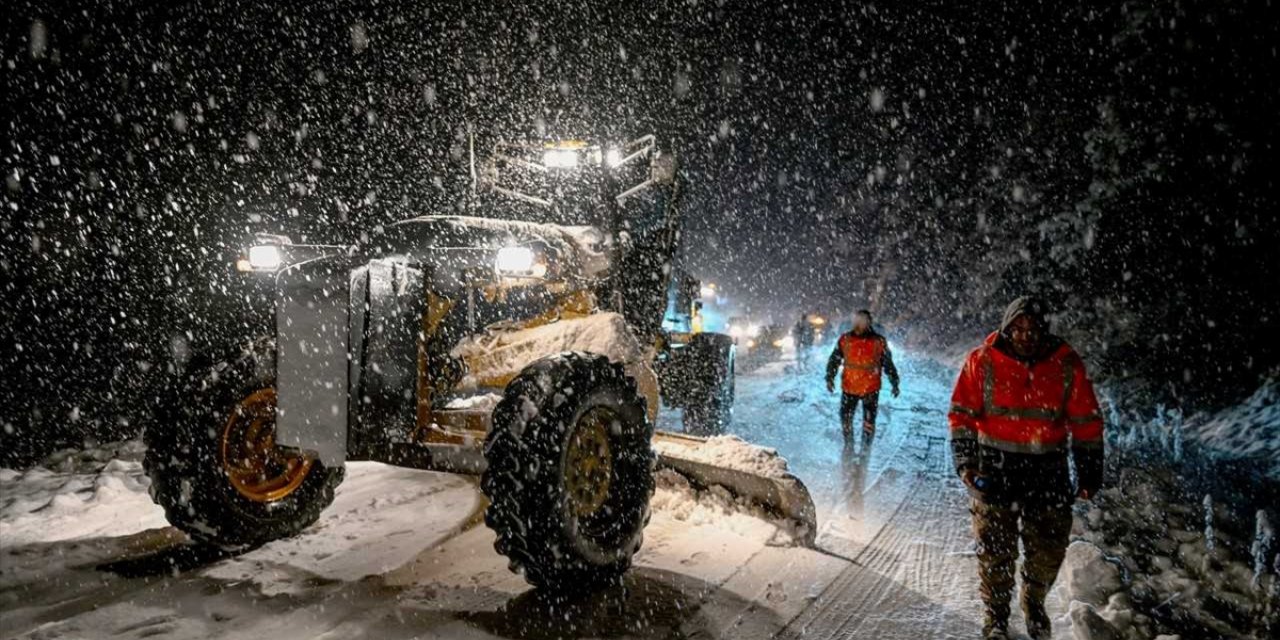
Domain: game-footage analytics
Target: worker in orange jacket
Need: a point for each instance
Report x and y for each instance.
(1022, 405)
(864, 355)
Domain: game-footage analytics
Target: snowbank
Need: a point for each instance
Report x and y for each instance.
(1089, 576)
(1183, 563)
(96, 492)
(1248, 430)
(731, 452)
(95, 503)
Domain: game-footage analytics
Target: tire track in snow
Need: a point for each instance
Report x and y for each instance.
(897, 586)
(886, 456)
(911, 579)
(849, 595)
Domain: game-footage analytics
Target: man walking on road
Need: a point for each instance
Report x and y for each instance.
(802, 334)
(1023, 401)
(864, 355)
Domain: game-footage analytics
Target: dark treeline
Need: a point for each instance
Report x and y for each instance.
(926, 159)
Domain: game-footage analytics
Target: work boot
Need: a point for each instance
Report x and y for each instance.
(993, 629)
(1038, 625)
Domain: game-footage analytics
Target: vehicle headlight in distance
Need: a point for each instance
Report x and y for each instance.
(515, 261)
(560, 159)
(263, 257)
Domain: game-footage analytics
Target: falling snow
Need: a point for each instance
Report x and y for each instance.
(928, 162)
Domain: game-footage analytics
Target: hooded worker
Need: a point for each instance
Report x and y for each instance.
(1022, 406)
(865, 357)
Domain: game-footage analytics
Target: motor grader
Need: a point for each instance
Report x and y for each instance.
(523, 341)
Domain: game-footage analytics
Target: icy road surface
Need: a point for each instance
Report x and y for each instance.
(402, 553)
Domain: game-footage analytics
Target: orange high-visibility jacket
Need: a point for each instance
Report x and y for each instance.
(1005, 403)
(864, 358)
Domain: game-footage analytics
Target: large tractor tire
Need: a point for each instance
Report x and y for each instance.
(213, 461)
(710, 375)
(570, 472)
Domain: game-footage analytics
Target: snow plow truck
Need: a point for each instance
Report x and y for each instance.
(530, 341)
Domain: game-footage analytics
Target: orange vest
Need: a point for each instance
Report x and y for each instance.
(863, 356)
(1007, 404)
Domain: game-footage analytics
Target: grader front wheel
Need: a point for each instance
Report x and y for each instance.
(570, 472)
(588, 462)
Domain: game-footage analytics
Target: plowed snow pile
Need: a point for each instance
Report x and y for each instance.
(731, 452)
(717, 509)
(78, 494)
(1248, 430)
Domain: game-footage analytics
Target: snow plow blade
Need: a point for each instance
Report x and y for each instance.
(768, 486)
(755, 474)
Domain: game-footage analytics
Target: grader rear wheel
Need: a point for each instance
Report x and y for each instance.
(254, 465)
(214, 465)
(711, 378)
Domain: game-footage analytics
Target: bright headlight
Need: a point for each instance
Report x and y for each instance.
(265, 257)
(515, 260)
(613, 157)
(560, 159)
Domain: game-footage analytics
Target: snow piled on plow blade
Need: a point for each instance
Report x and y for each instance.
(503, 352)
(753, 475)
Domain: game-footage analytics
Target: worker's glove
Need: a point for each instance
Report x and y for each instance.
(895, 390)
(831, 386)
(1089, 465)
(980, 486)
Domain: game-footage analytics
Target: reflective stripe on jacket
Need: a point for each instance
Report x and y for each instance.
(1020, 407)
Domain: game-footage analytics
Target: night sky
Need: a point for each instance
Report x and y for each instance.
(928, 160)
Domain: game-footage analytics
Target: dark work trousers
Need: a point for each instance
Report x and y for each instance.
(849, 405)
(1045, 533)
(1029, 500)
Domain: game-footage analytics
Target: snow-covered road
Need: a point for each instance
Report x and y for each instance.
(85, 555)
(892, 515)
